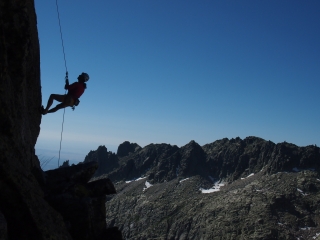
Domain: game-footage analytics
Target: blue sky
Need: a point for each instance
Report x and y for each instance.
(172, 71)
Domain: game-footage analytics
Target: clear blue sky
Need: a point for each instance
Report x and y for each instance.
(172, 71)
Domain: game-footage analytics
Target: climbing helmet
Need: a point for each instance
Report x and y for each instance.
(85, 76)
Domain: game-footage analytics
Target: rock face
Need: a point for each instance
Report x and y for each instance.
(228, 189)
(107, 161)
(28, 210)
(26, 213)
(126, 147)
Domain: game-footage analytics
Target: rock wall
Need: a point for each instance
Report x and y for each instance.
(20, 88)
(25, 213)
(28, 210)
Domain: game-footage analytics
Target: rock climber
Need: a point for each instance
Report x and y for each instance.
(71, 99)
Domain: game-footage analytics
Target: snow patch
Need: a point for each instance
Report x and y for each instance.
(299, 190)
(136, 179)
(147, 184)
(317, 234)
(140, 178)
(183, 180)
(306, 228)
(248, 176)
(215, 188)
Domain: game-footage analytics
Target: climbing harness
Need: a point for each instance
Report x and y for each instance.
(66, 78)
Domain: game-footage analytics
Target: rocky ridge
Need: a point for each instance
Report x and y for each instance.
(223, 159)
(229, 189)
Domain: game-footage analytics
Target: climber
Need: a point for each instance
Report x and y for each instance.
(71, 99)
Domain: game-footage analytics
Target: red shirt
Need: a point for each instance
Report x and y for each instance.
(76, 89)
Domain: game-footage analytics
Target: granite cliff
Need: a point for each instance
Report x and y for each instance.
(58, 204)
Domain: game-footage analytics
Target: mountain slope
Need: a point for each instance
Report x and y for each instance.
(276, 206)
(228, 189)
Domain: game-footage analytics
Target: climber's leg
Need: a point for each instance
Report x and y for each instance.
(57, 97)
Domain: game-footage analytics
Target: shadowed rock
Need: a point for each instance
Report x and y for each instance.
(24, 211)
(107, 160)
(126, 148)
(80, 202)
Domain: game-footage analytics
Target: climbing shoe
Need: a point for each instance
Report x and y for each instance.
(42, 110)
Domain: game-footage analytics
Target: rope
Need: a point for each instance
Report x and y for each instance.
(64, 55)
(65, 64)
(61, 135)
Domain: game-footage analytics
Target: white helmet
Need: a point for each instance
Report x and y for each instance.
(85, 76)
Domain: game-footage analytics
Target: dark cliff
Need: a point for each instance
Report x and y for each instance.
(33, 204)
(26, 213)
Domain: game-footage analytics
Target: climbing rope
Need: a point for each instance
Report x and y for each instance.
(66, 78)
(64, 55)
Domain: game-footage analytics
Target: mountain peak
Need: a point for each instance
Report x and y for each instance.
(126, 148)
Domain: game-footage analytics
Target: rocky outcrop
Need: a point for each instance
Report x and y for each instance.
(126, 148)
(236, 158)
(80, 202)
(147, 161)
(107, 161)
(184, 162)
